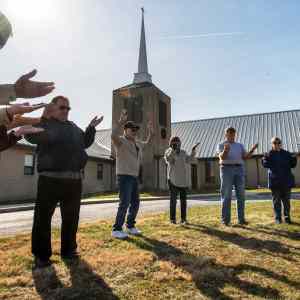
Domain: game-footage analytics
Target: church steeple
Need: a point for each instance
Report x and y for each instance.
(142, 75)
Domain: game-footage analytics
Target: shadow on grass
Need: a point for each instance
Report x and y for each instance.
(276, 232)
(85, 283)
(209, 277)
(264, 246)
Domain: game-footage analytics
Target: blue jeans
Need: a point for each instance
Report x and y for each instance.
(232, 176)
(129, 201)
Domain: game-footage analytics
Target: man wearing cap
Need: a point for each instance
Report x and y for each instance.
(128, 161)
(232, 155)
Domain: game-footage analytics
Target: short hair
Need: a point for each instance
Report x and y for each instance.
(275, 139)
(174, 139)
(230, 130)
(57, 98)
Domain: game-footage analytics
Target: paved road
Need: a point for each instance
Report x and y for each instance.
(21, 222)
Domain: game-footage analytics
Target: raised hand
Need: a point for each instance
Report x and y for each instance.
(150, 127)
(226, 147)
(96, 121)
(124, 117)
(27, 130)
(20, 109)
(26, 88)
(254, 147)
(19, 120)
(195, 147)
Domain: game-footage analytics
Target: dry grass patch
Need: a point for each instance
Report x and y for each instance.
(203, 260)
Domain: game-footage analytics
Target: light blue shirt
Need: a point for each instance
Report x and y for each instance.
(235, 154)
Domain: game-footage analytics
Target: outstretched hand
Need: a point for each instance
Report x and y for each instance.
(27, 130)
(96, 121)
(20, 109)
(26, 88)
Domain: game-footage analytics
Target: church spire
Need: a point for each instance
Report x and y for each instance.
(142, 75)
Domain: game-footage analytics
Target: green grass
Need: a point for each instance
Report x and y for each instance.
(266, 190)
(203, 260)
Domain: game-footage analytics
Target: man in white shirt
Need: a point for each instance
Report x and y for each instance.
(128, 161)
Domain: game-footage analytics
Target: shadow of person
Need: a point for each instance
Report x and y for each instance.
(46, 282)
(85, 283)
(264, 246)
(209, 277)
(275, 232)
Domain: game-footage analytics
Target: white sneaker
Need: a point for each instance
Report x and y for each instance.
(134, 231)
(119, 234)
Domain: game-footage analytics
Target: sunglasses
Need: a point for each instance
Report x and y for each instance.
(63, 107)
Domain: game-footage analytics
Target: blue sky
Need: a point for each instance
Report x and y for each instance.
(90, 47)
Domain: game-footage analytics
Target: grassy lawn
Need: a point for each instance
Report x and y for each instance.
(203, 260)
(266, 190)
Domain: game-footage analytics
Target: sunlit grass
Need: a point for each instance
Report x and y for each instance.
(203, 260)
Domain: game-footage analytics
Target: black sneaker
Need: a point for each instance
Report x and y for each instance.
(70, 256)
(173, 221)
(184, 222)
(243, 223)
(288, 221)
(41, 263)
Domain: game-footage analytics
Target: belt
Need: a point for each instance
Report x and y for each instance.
(230, 165)
(63, 175)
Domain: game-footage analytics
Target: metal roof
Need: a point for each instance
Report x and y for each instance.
(251, 129)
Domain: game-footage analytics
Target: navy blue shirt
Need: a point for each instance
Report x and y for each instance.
(279, 164)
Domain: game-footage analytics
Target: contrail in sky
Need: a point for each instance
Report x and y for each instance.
(202, 35)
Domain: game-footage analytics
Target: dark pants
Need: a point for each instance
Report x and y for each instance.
(51, 191)
(129, 200)
(174, 191)
(281, 196)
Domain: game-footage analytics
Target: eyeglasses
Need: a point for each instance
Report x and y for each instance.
(63, 107)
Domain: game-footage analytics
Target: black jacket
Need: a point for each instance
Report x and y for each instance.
(61, 147)
(279, 164)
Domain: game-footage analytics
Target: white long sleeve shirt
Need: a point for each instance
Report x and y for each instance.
(178, 167)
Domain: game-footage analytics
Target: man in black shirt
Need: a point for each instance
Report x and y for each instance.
(61, 158)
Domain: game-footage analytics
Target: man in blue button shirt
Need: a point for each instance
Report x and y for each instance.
(232, 156)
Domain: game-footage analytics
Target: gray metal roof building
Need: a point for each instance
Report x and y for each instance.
(250, 130)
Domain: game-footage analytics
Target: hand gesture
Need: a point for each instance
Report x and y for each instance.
(19, 120)
(26, 88)
(150, 128)
(96, 121)
(226, 147)
(20, 109)
(27, 130)
(123, 117)
(195, 147)
(254, 147)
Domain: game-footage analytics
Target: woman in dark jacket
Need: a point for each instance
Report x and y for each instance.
(280, 178)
